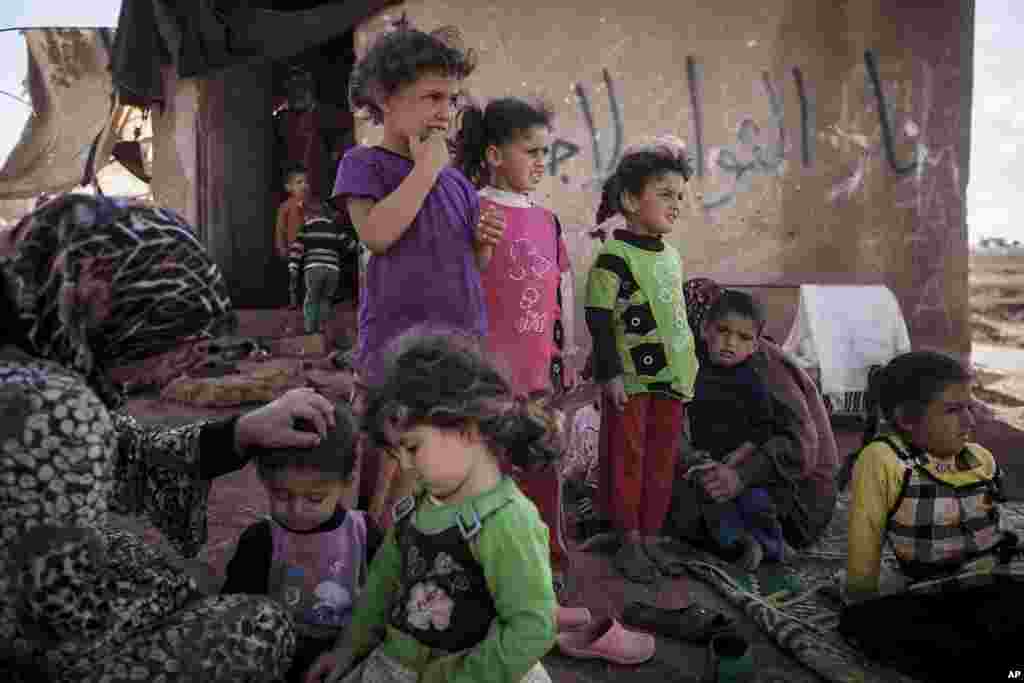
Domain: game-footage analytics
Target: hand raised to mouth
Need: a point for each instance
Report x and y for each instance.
(431, 150)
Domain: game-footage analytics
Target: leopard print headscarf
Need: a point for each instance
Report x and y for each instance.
(100, 282)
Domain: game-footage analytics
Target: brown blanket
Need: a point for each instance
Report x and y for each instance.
(792, 387)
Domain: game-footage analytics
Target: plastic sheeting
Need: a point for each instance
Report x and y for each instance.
(70, 87)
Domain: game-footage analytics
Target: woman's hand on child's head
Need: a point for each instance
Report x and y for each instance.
(272, 426)
(615, 391)
(491, 226)
(430, 150)
(721, 482)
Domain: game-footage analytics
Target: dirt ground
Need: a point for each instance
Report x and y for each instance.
(997, 319)
(997, 299)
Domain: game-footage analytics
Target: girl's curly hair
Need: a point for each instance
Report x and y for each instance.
(639, 165)
(400, 57)
(502, 121)
(445, 381)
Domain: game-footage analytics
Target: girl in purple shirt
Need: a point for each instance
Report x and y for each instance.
(418, 216)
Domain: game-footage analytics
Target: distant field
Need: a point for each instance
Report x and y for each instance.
(996, 286)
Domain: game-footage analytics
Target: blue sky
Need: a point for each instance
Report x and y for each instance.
(997, 125)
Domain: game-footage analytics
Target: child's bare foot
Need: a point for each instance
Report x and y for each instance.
(752, 553)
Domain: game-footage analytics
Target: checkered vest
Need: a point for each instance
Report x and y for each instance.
(935, 527)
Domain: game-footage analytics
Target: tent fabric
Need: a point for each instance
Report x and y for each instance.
(203, 36)
(843, 330)
(139, 52)
(71, 92)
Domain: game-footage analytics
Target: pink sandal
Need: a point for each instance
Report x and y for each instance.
(607, 639)
(571, 618)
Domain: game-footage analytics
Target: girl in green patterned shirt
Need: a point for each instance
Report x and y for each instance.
(643, 350)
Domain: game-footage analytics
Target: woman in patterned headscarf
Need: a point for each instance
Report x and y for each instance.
(89, 284)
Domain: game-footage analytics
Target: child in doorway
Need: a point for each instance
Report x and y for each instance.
(461, 588)
(291, 215)
(503, 150)
(934, 497)
(643, 350)
(732, 415)
(328, 249)
(312, 553)
(418, 216)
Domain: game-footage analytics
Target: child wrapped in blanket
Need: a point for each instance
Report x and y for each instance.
(756, 474)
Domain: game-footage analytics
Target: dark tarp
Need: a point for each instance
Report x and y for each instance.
(203, 36)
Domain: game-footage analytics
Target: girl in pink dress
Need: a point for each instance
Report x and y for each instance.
(503, 149)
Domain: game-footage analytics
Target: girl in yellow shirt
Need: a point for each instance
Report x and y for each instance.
(934, 497)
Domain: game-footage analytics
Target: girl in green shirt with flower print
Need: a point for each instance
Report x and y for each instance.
(461, 589)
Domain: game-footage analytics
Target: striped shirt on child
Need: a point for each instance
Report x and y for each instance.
(323, 243)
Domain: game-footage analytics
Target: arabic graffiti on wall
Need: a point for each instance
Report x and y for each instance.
(901, 126)
(910, 129)
(604, 165)
(694, 80)
(883, 115)
(806, 119)
(750, 156)
(754, 151)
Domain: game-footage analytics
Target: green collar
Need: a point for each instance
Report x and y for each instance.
(431, 518)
